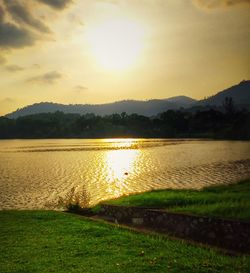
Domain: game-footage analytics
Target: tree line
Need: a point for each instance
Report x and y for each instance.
(212, 123)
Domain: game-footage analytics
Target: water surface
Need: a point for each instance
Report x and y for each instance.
(34, 174)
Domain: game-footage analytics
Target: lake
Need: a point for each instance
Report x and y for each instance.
(35, 174)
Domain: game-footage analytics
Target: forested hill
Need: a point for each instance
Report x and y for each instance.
(147, 108)
(219, 116)
(227, 124)
(240, 93)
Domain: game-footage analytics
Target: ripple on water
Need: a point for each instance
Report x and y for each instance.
(35, 173)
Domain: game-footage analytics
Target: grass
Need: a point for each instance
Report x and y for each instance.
(228, 201)
(47, 241)
(75, 199)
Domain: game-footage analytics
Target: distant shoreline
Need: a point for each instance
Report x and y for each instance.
(230, 124)
(83, 138)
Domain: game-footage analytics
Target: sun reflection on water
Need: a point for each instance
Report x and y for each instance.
(121, 143)
(34, 173)
(120, 165)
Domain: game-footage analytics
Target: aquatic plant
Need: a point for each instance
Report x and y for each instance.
(75, 199)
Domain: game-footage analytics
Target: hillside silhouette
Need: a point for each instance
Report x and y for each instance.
(147, 108)
(240, 94)
(227, 124)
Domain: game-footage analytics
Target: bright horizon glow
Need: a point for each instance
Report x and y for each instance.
(104, 51)
(116, 44)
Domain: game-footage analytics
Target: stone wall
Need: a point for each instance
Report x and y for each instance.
(227, 234)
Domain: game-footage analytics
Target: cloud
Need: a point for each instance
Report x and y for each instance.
(1, 14)
(26, 28)
(56, 4)
(115, 2)
(14, 68)
(7, 100)
(47, 78)
(21, 14)
(2, 60)
(80, 88)
(75, 19)
(219, 3)
(12, 36)
(37, 66)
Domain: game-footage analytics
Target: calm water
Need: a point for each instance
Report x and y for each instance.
(36, 173)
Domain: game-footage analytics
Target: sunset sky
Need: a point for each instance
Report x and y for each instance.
(96, 51)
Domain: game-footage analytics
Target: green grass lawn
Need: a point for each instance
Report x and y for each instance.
(46, 241)
(231, 201)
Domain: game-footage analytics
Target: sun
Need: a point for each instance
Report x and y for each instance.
(116, 44)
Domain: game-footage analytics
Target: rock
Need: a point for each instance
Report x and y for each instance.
(137, 221)
(159, 218)
(211, 235)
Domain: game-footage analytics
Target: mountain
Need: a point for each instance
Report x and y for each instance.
(240, 94)
(146, 108)
(183, 100)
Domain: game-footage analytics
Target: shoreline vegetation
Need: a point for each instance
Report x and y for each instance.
(229, 201)
(226, 201)
(71, 243)
(226, 122)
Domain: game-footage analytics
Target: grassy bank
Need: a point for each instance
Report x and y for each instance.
(229, 201)
(43, 241)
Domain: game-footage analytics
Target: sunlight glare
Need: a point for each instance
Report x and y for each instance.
(116, 44)
(120, 165)
(120, 162)
(121, 143)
